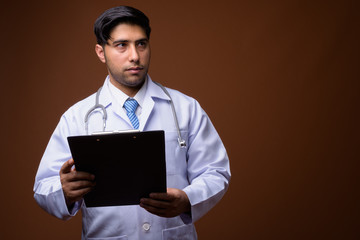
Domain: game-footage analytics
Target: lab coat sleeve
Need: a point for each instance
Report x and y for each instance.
(48, 191)
(208, 165)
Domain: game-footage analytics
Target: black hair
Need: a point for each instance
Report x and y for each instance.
(105, 23)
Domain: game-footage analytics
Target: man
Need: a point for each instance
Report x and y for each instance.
(197, 175)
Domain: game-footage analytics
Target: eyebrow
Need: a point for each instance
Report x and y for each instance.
(126, 41)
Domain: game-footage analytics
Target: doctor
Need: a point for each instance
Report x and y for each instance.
(197, 175)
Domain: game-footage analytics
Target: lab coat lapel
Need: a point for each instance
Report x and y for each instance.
(153, 93)
(148, 106)
(106, 100)
(105, 96)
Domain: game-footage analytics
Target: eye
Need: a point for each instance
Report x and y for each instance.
(142, 44)
(121, 45)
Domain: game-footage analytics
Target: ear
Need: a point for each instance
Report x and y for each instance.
(100, 52)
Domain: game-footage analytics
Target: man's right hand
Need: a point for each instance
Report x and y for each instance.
(75, 184)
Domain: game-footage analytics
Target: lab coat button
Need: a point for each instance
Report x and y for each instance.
(146, 226)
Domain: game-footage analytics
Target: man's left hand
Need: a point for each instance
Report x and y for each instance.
(170, 204)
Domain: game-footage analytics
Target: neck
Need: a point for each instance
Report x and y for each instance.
(129, 90)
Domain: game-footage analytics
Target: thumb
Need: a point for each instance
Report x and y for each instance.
(66, 167)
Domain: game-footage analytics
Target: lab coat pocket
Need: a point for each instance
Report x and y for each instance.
(175, 155)
(184, 232)
(110, 238)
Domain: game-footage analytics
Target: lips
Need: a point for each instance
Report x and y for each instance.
(134, 69)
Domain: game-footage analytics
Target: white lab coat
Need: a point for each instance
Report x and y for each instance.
(201, 170)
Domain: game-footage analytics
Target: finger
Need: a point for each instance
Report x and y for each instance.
(162, 196)
(154, 210)
(78, 176)
(66, 167)
(171, 195)
(76, 195)
(155, 203)
(80, 185)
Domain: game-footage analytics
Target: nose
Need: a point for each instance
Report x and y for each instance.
(133, 54)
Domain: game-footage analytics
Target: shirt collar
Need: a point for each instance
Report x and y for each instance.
(120, 97)
(151, 90)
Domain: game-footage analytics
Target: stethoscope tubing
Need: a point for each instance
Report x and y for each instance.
(181, 141)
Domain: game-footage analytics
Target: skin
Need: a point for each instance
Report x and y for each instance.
(170, 204)
(127, 58)
(75, 184)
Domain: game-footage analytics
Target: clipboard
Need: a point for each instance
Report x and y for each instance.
(127, 166)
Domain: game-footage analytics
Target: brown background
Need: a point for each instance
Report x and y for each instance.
(279, 79)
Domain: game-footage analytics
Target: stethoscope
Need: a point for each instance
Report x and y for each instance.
(182, 142)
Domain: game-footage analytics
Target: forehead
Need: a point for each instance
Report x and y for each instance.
(127, 31)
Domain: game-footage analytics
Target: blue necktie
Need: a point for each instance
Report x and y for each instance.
(130, 106)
